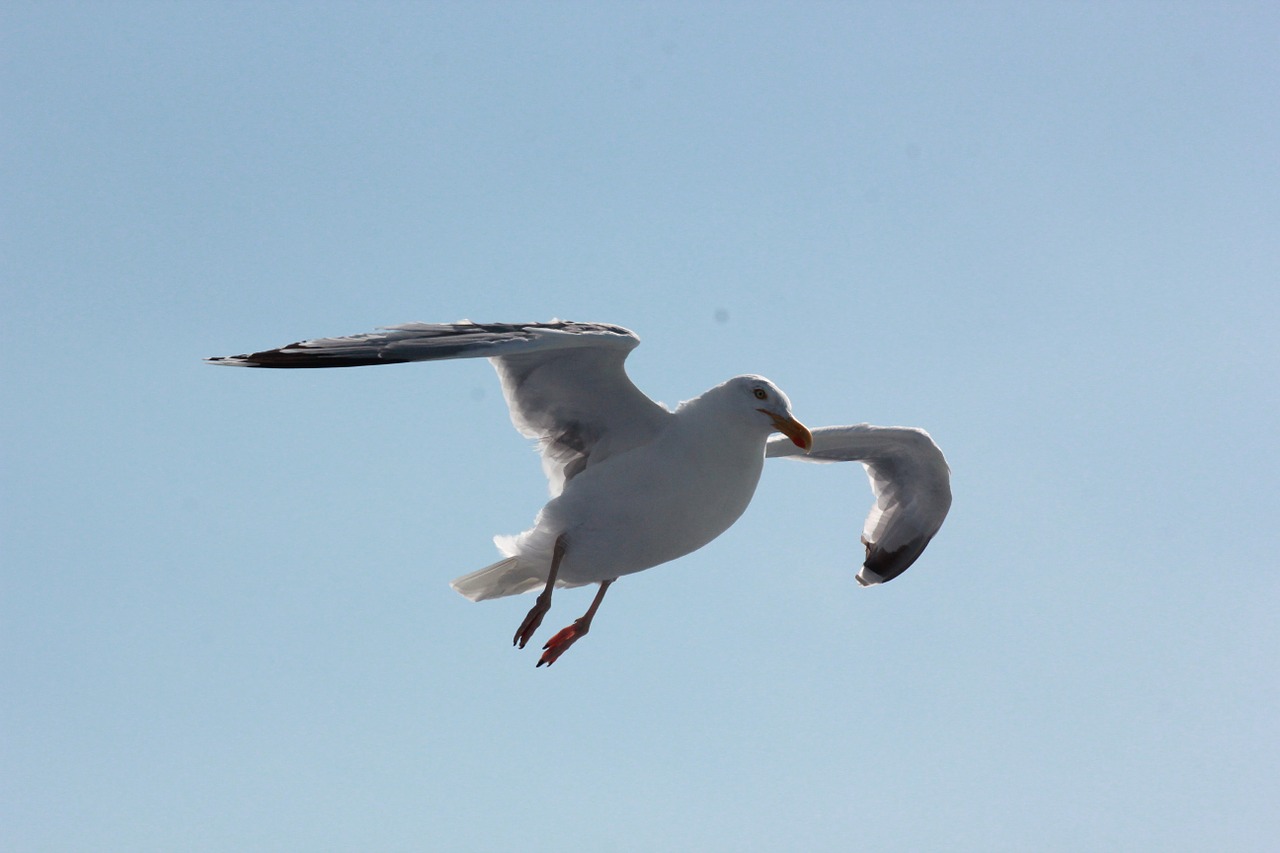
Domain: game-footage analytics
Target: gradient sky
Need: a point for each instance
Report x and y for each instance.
(1047, 233)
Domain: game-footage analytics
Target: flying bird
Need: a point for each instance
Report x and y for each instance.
(634, 484)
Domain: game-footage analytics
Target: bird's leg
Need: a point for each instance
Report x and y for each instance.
(560, 643)
(543, 604)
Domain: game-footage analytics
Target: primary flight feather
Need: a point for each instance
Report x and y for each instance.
(633, 484)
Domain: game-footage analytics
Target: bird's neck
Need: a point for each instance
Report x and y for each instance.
(720, 430)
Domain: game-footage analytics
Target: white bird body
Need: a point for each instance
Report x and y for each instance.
(632, 484)
(646, 506)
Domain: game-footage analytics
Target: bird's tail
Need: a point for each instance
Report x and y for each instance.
(524, 569)
(510, 576)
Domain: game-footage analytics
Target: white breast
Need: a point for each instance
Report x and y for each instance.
(656, 503)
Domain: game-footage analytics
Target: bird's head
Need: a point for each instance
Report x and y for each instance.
(767, 399)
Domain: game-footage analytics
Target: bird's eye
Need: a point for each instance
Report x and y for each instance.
(761, 394)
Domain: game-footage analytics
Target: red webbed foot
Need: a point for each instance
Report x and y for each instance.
(560, 643)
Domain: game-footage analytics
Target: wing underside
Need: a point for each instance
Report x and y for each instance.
(565, 382)
(911, 482)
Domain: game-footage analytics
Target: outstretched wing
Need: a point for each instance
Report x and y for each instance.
(911, 481)
(564, 382)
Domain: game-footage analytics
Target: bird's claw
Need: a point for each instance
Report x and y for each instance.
(530, 623)
(560, 643)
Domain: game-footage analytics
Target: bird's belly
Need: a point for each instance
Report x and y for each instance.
(647, 512)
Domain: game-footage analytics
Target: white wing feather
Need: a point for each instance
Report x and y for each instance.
(564, 382)
(910, 479)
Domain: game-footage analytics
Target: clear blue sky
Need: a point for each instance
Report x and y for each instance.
(1047, 233)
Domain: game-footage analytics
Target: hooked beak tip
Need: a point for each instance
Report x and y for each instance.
(794, 430)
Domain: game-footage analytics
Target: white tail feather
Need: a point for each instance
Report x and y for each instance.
(505, 577)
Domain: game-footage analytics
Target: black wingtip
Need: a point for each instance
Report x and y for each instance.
(882, 566)
(285, 357)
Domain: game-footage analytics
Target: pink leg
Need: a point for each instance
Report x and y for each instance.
(561, 642)
(543, 604)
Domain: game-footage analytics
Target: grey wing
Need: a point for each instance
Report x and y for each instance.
(912, 485)
(565, 382)
(434, 341)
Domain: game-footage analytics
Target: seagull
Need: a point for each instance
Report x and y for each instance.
(632, 483)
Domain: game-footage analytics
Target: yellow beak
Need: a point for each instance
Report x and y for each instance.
(792, 429)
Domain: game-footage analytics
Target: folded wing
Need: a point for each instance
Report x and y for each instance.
(565, 382)
(911, 481)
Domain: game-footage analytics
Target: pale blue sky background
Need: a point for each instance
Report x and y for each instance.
(1045, 232)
